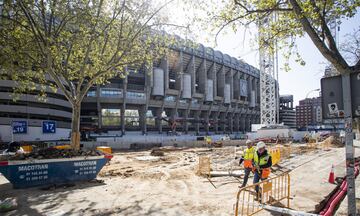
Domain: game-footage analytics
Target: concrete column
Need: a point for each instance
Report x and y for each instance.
(197, 118)
(207, 115)
(142, 119)
(214, 75)
(223, 122)
(244, 77)
(174, 111)
(248, 123)
(98, 105)
(123, 107)
(164, 64)
(216, 119)
(197, 127)
(237, 122)
(250, 87)
(191, 70)
(242, 123)
(231, 81)
(235, 84)
(173, 116)
(186, 116)
(221, 81)
(207, 118)
(148, 88)
(203, 77)
(179, 72)
(231, 121)
(158, 120)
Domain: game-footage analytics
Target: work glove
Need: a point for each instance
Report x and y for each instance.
(241, 160)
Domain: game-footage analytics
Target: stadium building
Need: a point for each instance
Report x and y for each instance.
(191, 91)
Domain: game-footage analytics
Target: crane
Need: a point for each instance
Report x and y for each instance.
(268, 74)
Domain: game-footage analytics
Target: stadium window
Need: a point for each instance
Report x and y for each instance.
(110, 117)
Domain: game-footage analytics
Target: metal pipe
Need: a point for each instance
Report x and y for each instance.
(288, 211)
(337, 197)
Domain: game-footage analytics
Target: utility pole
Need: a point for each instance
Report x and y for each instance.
(349, 136)
(349, 147)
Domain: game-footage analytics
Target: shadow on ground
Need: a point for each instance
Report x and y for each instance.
(50, 198)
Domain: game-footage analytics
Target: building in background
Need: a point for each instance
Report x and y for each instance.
(308, 113)
(287, 114)
(336, 123)
(34, 114)
(191, 90)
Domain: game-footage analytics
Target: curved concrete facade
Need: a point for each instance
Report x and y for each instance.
(28, 108)
(219, 108)
(191, 105)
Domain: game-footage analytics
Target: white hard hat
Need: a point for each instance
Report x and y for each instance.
(260, 145)
(248, 141)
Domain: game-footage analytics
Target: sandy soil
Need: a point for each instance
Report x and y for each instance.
(136, 183)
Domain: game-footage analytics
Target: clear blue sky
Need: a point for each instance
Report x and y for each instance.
(300, 80)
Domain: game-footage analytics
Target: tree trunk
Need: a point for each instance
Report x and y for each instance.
(75, 127)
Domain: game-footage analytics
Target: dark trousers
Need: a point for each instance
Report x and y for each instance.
(246, 177)
(257, 178)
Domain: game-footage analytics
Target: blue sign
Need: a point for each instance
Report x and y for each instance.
(19, 127)
(49, 127)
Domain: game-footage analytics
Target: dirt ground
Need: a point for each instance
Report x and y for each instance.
(136, 183)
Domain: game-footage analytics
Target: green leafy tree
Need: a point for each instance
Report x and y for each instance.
(73, 45)
(293, 18)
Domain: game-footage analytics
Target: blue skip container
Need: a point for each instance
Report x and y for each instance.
(31, 173)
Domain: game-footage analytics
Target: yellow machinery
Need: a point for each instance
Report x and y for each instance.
(104, 149)
(63, 146)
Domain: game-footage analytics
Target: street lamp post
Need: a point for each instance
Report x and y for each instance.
(314, 90)
(307, 122)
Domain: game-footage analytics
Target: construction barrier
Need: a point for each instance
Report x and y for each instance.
(275, 155)
(271, 191)
(27, 148)
(204, 166)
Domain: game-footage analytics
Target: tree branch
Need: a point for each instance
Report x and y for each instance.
(329, 37)
(92, 38)
(336, 59)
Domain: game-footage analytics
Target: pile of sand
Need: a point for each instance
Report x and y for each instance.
(121, 172)
(332, 141)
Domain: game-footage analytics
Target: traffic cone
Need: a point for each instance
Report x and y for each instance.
(332, 175)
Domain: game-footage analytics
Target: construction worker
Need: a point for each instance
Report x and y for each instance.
(262, 163)
(247, 158)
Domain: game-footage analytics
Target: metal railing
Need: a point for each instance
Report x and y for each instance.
(271, 191)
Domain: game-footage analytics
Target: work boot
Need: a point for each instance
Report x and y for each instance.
(258, 197)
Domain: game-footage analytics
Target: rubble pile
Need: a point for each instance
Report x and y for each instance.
(53, 153)
(333, 142)
(157, 152)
